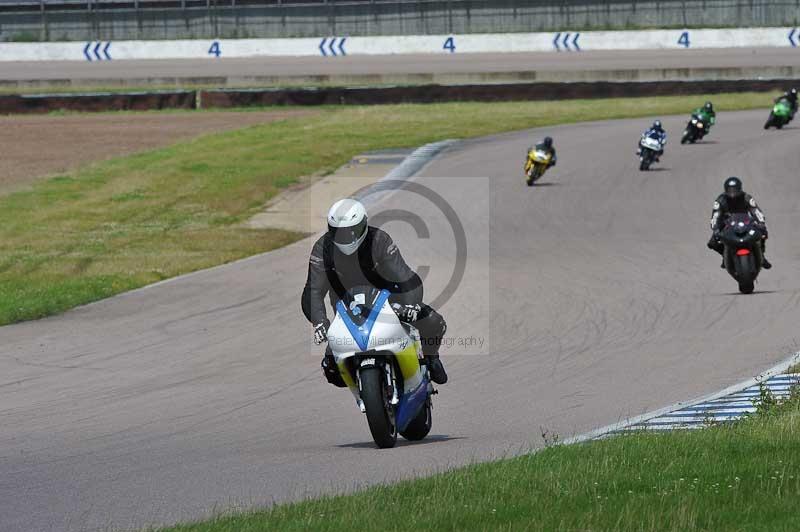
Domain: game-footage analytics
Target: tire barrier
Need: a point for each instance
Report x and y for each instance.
(106, 101)
(224, 98)
(230, 98)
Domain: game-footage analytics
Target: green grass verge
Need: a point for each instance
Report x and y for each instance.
(139, 219)
(738, 477)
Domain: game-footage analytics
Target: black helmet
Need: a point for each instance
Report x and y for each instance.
(709, 106)
(548, 142)
(657, 124)
(733, 187)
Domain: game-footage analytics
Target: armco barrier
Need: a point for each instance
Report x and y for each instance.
(132, 101)
(481, 93)
(566, 41)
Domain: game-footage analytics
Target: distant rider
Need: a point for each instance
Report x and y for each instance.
(546, 146)
(707, 113)
(352, 253)
(791, 97)
(735, 200)
(657, 132)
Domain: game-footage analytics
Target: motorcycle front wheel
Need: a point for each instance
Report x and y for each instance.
(380, 412)
(420, 426)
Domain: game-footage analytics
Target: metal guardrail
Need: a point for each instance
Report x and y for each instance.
(159, 4)
(103, 20)
(421, 4)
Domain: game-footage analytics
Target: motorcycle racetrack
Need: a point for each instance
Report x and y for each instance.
(593, 292)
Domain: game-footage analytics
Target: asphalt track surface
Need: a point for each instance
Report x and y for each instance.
(399, 64)
(204, 393)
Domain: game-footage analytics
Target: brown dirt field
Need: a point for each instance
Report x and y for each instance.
(38, 146)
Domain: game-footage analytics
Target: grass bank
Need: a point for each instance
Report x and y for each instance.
(739, 477)
(135, 220)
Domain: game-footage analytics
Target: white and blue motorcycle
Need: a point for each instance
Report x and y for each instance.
(380, 360)
(649, 148)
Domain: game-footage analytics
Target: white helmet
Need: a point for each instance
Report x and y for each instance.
(347, 224)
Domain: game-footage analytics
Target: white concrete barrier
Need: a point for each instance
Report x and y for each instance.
(563, 42)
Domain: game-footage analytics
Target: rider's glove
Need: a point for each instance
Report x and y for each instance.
(407, 313)
(321, 332)
(713, 242)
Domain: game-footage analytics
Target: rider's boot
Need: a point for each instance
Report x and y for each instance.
(331, 370)
(436, 369)
(765, 263)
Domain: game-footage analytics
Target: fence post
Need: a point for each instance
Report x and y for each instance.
(43, 28)
(450, 17)
(138, 19)
(331, 16)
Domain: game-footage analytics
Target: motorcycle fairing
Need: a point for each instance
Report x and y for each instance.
(361, 333)
(411, 403)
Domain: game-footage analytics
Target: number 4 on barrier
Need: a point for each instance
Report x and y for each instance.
(450, 44)
(214, 50)
(684, 39)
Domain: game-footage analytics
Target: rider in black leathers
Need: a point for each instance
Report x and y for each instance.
(735, 200)
(376, 262)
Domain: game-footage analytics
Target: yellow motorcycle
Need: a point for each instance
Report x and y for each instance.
(537, 163)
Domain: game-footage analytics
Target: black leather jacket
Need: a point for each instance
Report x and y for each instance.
(724, 206)
(377, 263)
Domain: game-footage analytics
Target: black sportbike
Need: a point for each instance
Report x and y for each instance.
(695, 130)
(742, 239)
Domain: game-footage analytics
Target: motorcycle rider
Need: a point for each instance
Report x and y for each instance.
(546, 146)
(353, 253)
(657, 132)
(791, 97)
(735, 200)
(707, 112)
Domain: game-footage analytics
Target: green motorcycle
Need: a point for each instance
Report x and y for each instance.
(780, 115)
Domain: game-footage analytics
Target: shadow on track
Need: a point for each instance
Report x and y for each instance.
(436, 438)
(757, 292)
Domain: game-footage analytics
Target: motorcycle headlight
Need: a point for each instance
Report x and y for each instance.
(694, 121)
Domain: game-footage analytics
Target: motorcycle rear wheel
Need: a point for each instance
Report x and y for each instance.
(746, 287)
(380, 413)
